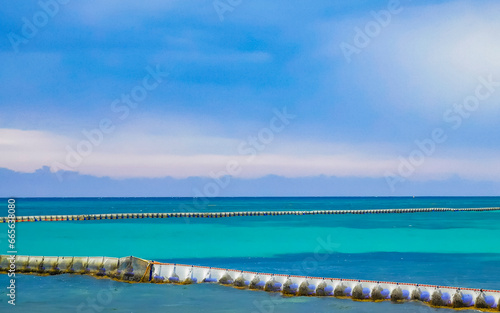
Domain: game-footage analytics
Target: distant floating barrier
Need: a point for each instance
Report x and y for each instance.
(132, 269)
(116, 216)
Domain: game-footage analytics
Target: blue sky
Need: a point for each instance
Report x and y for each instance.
(268, 91)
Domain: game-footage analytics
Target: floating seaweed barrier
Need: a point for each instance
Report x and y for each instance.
(127, 269)
(132, 269)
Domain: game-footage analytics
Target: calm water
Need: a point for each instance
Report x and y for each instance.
(452, 248)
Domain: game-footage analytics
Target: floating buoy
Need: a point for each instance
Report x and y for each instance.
(226, 279)
(425, 296)
(210, 280)
(290, 288)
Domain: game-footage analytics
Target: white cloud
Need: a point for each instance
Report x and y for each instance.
(26, 151)
(143, 156)
(426, 59)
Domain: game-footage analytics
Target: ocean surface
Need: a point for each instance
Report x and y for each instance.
(448, 248)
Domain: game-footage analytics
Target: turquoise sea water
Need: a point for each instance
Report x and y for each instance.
(449, 248)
